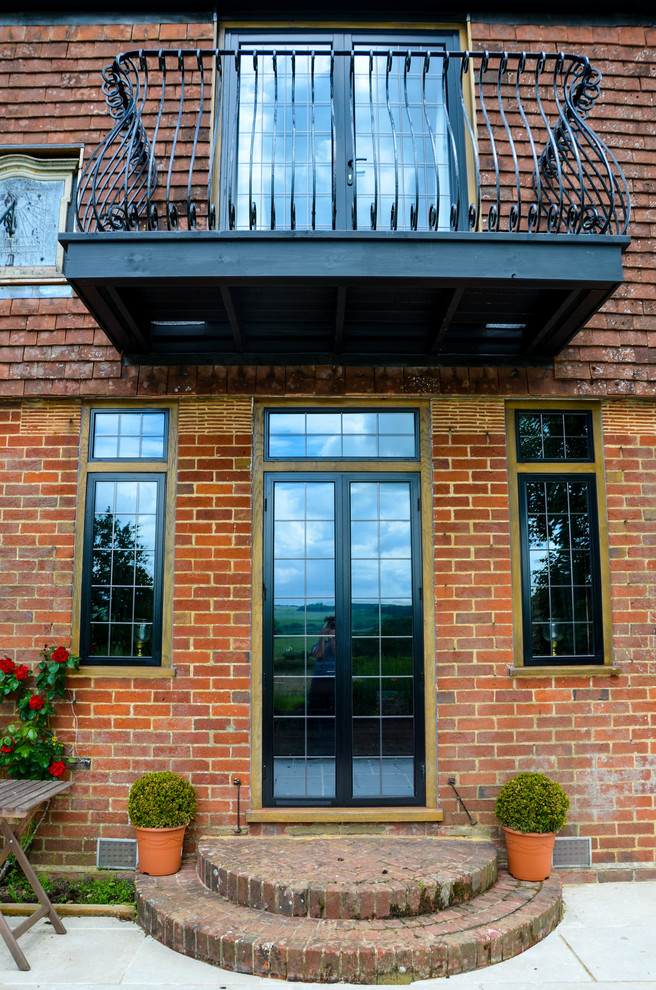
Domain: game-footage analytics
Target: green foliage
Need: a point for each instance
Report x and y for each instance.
(28, 749)
(532, 802)
(103, 887)
(161, 800)
(32, 751)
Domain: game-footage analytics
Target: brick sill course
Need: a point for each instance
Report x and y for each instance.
(606, 873)
(573, 671)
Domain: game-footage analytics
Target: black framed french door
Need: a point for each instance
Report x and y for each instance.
(340, 130)
(343, 652)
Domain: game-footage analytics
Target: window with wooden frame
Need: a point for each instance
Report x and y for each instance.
(125, 503)
(561, 578)
(343, 658)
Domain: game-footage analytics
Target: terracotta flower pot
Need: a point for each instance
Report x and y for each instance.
(529, 853)
(160, 850)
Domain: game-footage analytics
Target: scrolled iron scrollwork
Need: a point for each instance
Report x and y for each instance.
(491, 141)
(121, 175)
(579, 176)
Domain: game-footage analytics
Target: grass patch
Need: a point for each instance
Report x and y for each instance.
(102, 887)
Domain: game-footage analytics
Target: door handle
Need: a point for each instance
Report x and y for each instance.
(349, 174)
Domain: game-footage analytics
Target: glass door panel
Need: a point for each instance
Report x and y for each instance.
(284, 167)
(381, 640)
(304, 640)
(402, 176)
(339, 130)
(343, 651)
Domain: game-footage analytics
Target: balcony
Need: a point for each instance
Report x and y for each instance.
(365, 206)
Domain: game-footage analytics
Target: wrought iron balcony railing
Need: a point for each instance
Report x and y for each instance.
(400, 140)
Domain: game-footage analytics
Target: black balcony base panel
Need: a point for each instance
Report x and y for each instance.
(394, 299)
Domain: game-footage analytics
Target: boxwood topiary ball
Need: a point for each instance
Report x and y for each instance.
(161, 800)
(532, 802)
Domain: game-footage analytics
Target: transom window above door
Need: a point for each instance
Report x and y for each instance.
(340, 129)
(353, 434)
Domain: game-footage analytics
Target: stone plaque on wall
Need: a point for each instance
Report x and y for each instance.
(34, 198)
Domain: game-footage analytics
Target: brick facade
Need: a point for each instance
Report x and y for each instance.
(594, 735)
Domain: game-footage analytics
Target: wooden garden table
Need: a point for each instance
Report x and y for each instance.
(18, 799)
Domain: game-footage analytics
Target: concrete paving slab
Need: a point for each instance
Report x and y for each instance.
(610, 905)
(616, 953)
(608, 940)
(482, 985)
(95, 923)
(84, 956)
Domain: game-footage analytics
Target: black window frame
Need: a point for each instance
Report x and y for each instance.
(522, 459)
(600, 662)
(92, 459)
(344, 757)
(342, 38)
(356, 458)
(107, 660)
(597, 656)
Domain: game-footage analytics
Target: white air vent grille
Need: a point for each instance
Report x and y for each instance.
(572, 852)
(116, 854)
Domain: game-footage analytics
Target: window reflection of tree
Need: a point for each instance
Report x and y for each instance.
(559, 538)
(124, 569)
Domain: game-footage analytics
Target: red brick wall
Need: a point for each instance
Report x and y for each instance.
(595, 736)
(39, 444)
(38, 485)
(197, 723)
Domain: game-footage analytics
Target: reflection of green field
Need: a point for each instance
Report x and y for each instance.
(291, 619)
(289, 655)
(381, 637)
(388, 619)
(367, 618)
(389, 656)
(289, 696)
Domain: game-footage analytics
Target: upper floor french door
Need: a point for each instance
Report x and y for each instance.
(343, 651)
(340, 130)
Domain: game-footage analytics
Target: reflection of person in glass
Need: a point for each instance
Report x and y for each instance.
(321, 700)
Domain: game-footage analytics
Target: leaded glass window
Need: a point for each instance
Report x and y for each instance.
(558, 479)
(130, 435)
(124, 582)
(554, 436)
(122, 612)
(562, 591)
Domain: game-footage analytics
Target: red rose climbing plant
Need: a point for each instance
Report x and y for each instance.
(28, 749)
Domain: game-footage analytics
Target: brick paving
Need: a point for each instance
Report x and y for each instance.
(497, 923)
(353, 877)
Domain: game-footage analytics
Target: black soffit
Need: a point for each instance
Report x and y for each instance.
(359, 298)
(89, 11)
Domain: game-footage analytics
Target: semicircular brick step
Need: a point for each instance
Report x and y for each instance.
(497, 923)
(350, 877)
